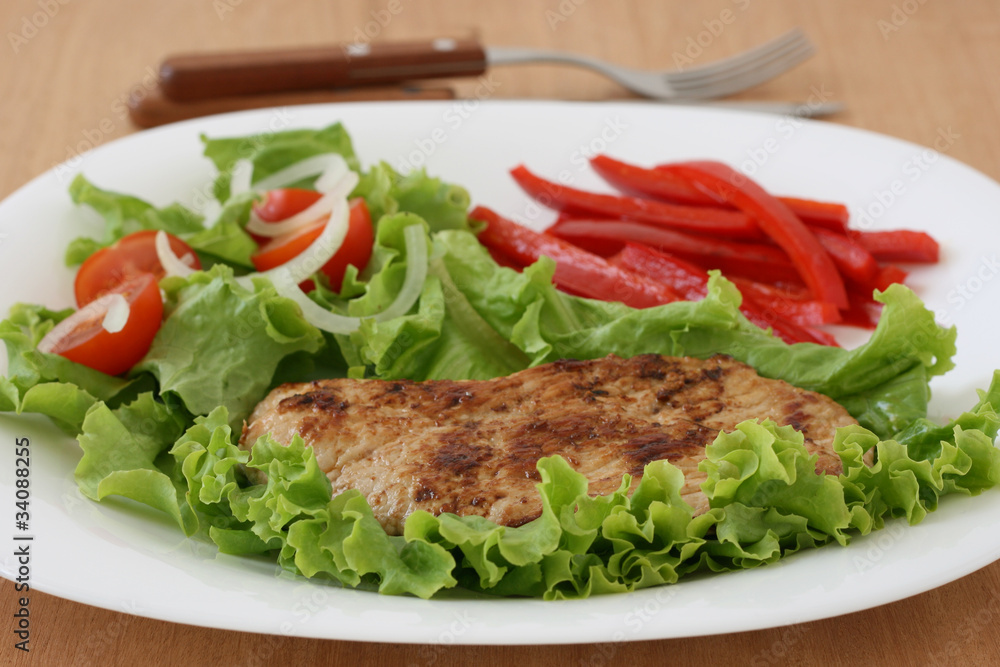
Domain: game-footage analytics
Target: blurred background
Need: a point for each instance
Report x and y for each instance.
(903, 68)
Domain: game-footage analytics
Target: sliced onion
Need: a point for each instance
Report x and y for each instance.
(240, 177)
(117, 315)
(332, 176)
(318, 253)
(416, 274)
(168, 260)
(346, 182)
(322, 165)
(315, 314)
(107, 307)
(413, 284)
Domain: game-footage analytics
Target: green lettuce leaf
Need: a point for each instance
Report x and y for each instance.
(120, 452)
(124, 214)
(441, 205)
(226, 239)
(273, 151)
(220, 343)
(436, 341)
(49, 384)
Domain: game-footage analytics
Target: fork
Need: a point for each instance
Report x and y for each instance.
(719, 79)
(203, 76)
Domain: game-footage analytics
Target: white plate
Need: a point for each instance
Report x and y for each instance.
(118, 556)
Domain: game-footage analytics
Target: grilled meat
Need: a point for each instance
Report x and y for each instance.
(470, 447)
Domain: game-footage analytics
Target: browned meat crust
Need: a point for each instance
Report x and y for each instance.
(470, 447)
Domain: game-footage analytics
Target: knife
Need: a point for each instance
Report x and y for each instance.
(200, 76)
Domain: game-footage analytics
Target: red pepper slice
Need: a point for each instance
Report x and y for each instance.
(577, 270)
(854, 262)
(806, 312)
(819, 214)
(661, 183)
(888, 275)
(863, 313)
(730, 186)
(687, 279)
(505, 260)
(694, 219)
(899, 245)
(753, 260)
(692, 282)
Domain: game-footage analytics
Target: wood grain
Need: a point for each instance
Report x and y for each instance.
(63, 88)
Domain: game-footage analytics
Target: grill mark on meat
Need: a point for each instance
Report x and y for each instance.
(527, 518)
(323, 400)
(472, 447)
(679, 443)
(424, 492)
(457, 456)
(796, 420)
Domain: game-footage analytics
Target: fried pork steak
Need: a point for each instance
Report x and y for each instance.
(470, 447)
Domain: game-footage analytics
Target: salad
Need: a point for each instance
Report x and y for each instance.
(184, 326)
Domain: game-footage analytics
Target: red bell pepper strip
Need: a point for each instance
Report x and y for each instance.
(776, 220)
(692, 283)
(699, 219)
(819, 214)
(863, 313)
(887, 275)
(785, 291)
(505, 260)
(753, 260)
(659, 182)
(806, 312)
(899, 245)
(854, 261)
(578, 270)
(687, 279)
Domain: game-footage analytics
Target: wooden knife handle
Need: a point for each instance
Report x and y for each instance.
(153, 108)
(208, 75)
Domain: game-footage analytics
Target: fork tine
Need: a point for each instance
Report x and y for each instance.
(790, 50)
(715, 79)
(788, 40)
(748, 77)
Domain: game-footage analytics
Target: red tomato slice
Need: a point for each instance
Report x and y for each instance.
(82, 338)
(128, 257)
(281, 204)
(356, 249)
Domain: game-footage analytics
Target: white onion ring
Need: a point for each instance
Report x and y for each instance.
(318, 253)
(346, 182)
(117, 315)
(168, 260)
(313, 312)
(416, 274)
(413, 285)
(108, 307)
(322, 165)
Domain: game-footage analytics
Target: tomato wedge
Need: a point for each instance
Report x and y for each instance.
(127, 258)
(280, 204)
(82, 338)
(356, 249)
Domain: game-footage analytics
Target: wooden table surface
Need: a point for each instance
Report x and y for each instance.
(907, 68)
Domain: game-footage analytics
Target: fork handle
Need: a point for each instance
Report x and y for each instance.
(200, 76)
